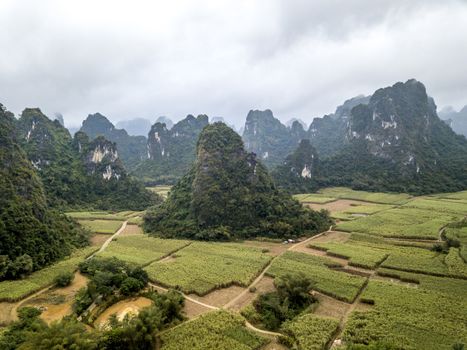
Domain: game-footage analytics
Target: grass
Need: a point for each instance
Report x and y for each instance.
(410, 318)
(16, 290)
(202, 267)
(458, 233)
(218, 330)
(141, 249)
(160, 190)
(310, 332)
(99, 215)
(402, 222)
(337, 284)
(373, 197)
(101, 226)
(357, 211)
(313, 198)
(439, 205)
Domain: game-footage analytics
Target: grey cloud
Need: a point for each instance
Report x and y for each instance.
(299, 58)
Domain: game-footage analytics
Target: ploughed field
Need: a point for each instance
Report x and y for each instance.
(392, 271)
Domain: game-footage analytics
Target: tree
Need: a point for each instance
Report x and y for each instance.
(64, 279)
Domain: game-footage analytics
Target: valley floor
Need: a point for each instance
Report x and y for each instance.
(377, 275)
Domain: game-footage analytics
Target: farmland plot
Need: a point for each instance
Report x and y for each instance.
(409, 318)
(373, 197)
(141, 249)
(402, 222)
(202, 267)
(337, 284)
(19, 289)
(218, 330)
(101, 226)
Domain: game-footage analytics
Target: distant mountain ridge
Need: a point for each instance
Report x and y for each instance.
(132, 149)
(456, 120)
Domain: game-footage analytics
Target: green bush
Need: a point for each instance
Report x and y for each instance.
(64, 279)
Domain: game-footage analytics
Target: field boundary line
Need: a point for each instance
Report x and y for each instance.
(107, 242)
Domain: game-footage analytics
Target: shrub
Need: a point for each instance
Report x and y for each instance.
(64, 279)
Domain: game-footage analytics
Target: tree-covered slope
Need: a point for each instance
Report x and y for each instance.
(132, 149)
(300, 170)
(31, 234)
(267, 137)
(398, 143)
(78, 172)
(229, 194)
(170, 152)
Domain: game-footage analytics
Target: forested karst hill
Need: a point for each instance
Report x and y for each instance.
(78, 172)
(229, 194)
(31, 234)
(132, 149)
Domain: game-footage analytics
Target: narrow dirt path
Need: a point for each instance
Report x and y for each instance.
(186, 297)
(107, 242)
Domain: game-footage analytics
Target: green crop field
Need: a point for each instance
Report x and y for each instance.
(218, 330)
(459, 234)
(101, 226)
(411, 318)
(439, 205)
(360, 255)
(402, 222)
(337, 284)
(160, 190)
(310, 332)
(357, 211)
(313, 198)
(374, 197)
(99, 215)
(202, 267)
(141, 249)
(19, 289)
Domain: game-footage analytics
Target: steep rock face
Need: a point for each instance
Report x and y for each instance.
(78, 172)
(229, 194)
(268, 138)
(27, 226)
(102, 159)
(329, 133)
(171, 152)
(132, 149)
(300, 170)
(456, 120)
(397, 142)
(164, 120)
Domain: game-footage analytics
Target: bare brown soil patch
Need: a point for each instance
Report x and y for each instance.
(98, 239)
(338, 205)
(274, 248)
(132, 230)
(265, 285)
(168, 259)
(363, 307)
(330, 307)
(192, 309)
(5, 313)
(332, 236)
(125, 307)
(219, 297)
(57, 303)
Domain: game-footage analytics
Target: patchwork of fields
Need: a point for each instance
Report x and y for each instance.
(397, 273)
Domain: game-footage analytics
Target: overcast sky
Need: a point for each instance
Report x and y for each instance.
(130, 59)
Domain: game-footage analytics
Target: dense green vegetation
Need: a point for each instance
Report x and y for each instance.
(78, 172)
(18, 289)
(309, 332)
(216, 330)
(141, 249)
(291, 297)
(170, 152)
(299, 170)
(31, 234)
(438, 317)
(132, 333)
(229, 194)
(201, 267)
(337, 284)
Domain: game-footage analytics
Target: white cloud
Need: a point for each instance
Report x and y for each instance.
(299, 58)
